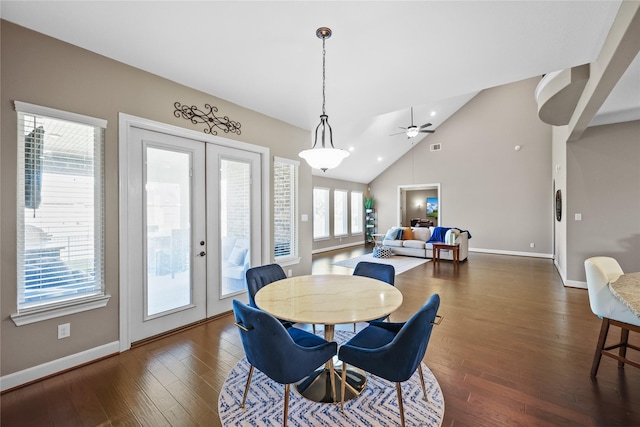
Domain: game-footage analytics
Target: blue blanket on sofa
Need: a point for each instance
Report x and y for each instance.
(439, 233)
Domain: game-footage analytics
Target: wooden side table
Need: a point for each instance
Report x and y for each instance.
(437, 246)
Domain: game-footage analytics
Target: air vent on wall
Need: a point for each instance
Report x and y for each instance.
(435, 147)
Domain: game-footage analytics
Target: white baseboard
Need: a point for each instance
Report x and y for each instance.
(31, 374)
(515, 253)
(333, 248)
(575, 284)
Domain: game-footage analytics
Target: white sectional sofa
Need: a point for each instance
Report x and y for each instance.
(415, 243)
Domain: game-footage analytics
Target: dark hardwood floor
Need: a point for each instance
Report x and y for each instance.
(515, 348)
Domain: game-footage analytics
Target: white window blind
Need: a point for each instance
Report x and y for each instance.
(340, 213)
(320, 213)
(60, 218)
(356, 212)
(285, 208)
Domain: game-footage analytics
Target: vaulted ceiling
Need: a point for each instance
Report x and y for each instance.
(383, 58)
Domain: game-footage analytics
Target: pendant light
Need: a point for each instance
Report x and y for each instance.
(326, 156)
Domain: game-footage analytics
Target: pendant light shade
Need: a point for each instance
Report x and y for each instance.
(325, 156)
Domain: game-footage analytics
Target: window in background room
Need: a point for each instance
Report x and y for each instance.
(285, 208)
(356, 212)
(340, 213)
(320, 213)
(60, 218)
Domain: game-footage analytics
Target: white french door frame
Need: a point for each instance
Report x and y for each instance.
(125, 123)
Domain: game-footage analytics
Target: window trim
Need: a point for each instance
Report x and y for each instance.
(52, 311)
(288, 260)
(70, 306)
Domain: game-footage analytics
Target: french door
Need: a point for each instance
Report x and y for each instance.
(194, 229)
(233, 222)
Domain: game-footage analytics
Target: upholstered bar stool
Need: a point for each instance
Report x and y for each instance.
(600, 272)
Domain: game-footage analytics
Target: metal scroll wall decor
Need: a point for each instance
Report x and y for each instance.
(213, 122)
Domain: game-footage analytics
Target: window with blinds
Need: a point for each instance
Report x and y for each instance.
(60, 218)
(285, 208)
(320, 213)
(356, 212)
(340, 213)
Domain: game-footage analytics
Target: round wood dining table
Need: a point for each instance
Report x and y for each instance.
(329, 299)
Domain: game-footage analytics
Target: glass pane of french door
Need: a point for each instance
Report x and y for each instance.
(235, 224)
(168, 230)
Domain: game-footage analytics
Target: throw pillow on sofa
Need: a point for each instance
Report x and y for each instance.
(407, 233)
(451, 235)
(392, 234)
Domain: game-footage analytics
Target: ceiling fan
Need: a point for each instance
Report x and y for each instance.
(413, 130)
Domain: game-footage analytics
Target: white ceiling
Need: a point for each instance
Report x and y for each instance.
(383, 57)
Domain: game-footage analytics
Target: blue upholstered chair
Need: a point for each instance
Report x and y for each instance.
(259, 277)
(286, 355)
(374, 270)
(392, 351)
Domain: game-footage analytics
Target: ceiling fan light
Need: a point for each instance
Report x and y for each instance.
(412, 131)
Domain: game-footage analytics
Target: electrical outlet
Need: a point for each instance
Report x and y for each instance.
(289, 273)
(64, 330)
(532, 245)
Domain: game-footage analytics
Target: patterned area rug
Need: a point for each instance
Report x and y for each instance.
(377, 405)
(400, 263)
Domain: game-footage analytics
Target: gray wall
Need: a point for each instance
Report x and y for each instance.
(44, 71)
(337, 184)
(502, 196)
(603, 182)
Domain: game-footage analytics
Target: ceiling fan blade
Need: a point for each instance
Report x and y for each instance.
(399, 127)
(427, 131)
(426, 125)
(397, 133)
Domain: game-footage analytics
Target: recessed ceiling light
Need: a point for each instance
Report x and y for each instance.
(433, 113)
(351, 148)
(379, 159)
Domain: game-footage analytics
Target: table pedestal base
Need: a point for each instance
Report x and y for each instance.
(317, 386)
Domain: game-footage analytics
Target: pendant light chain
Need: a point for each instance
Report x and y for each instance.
(324, 52)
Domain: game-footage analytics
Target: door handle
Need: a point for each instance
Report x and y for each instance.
(202, 253)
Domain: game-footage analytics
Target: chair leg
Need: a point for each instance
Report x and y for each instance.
(624, 340)
(246, 387)
(399, 391)
(354, 328)
(286, 404)
(314, 328)
(332, 373)
(424, 389)
(343, 385)
(604, 330)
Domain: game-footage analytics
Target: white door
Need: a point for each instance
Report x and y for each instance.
(194, 215)
(167, 249)
(234, 217)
